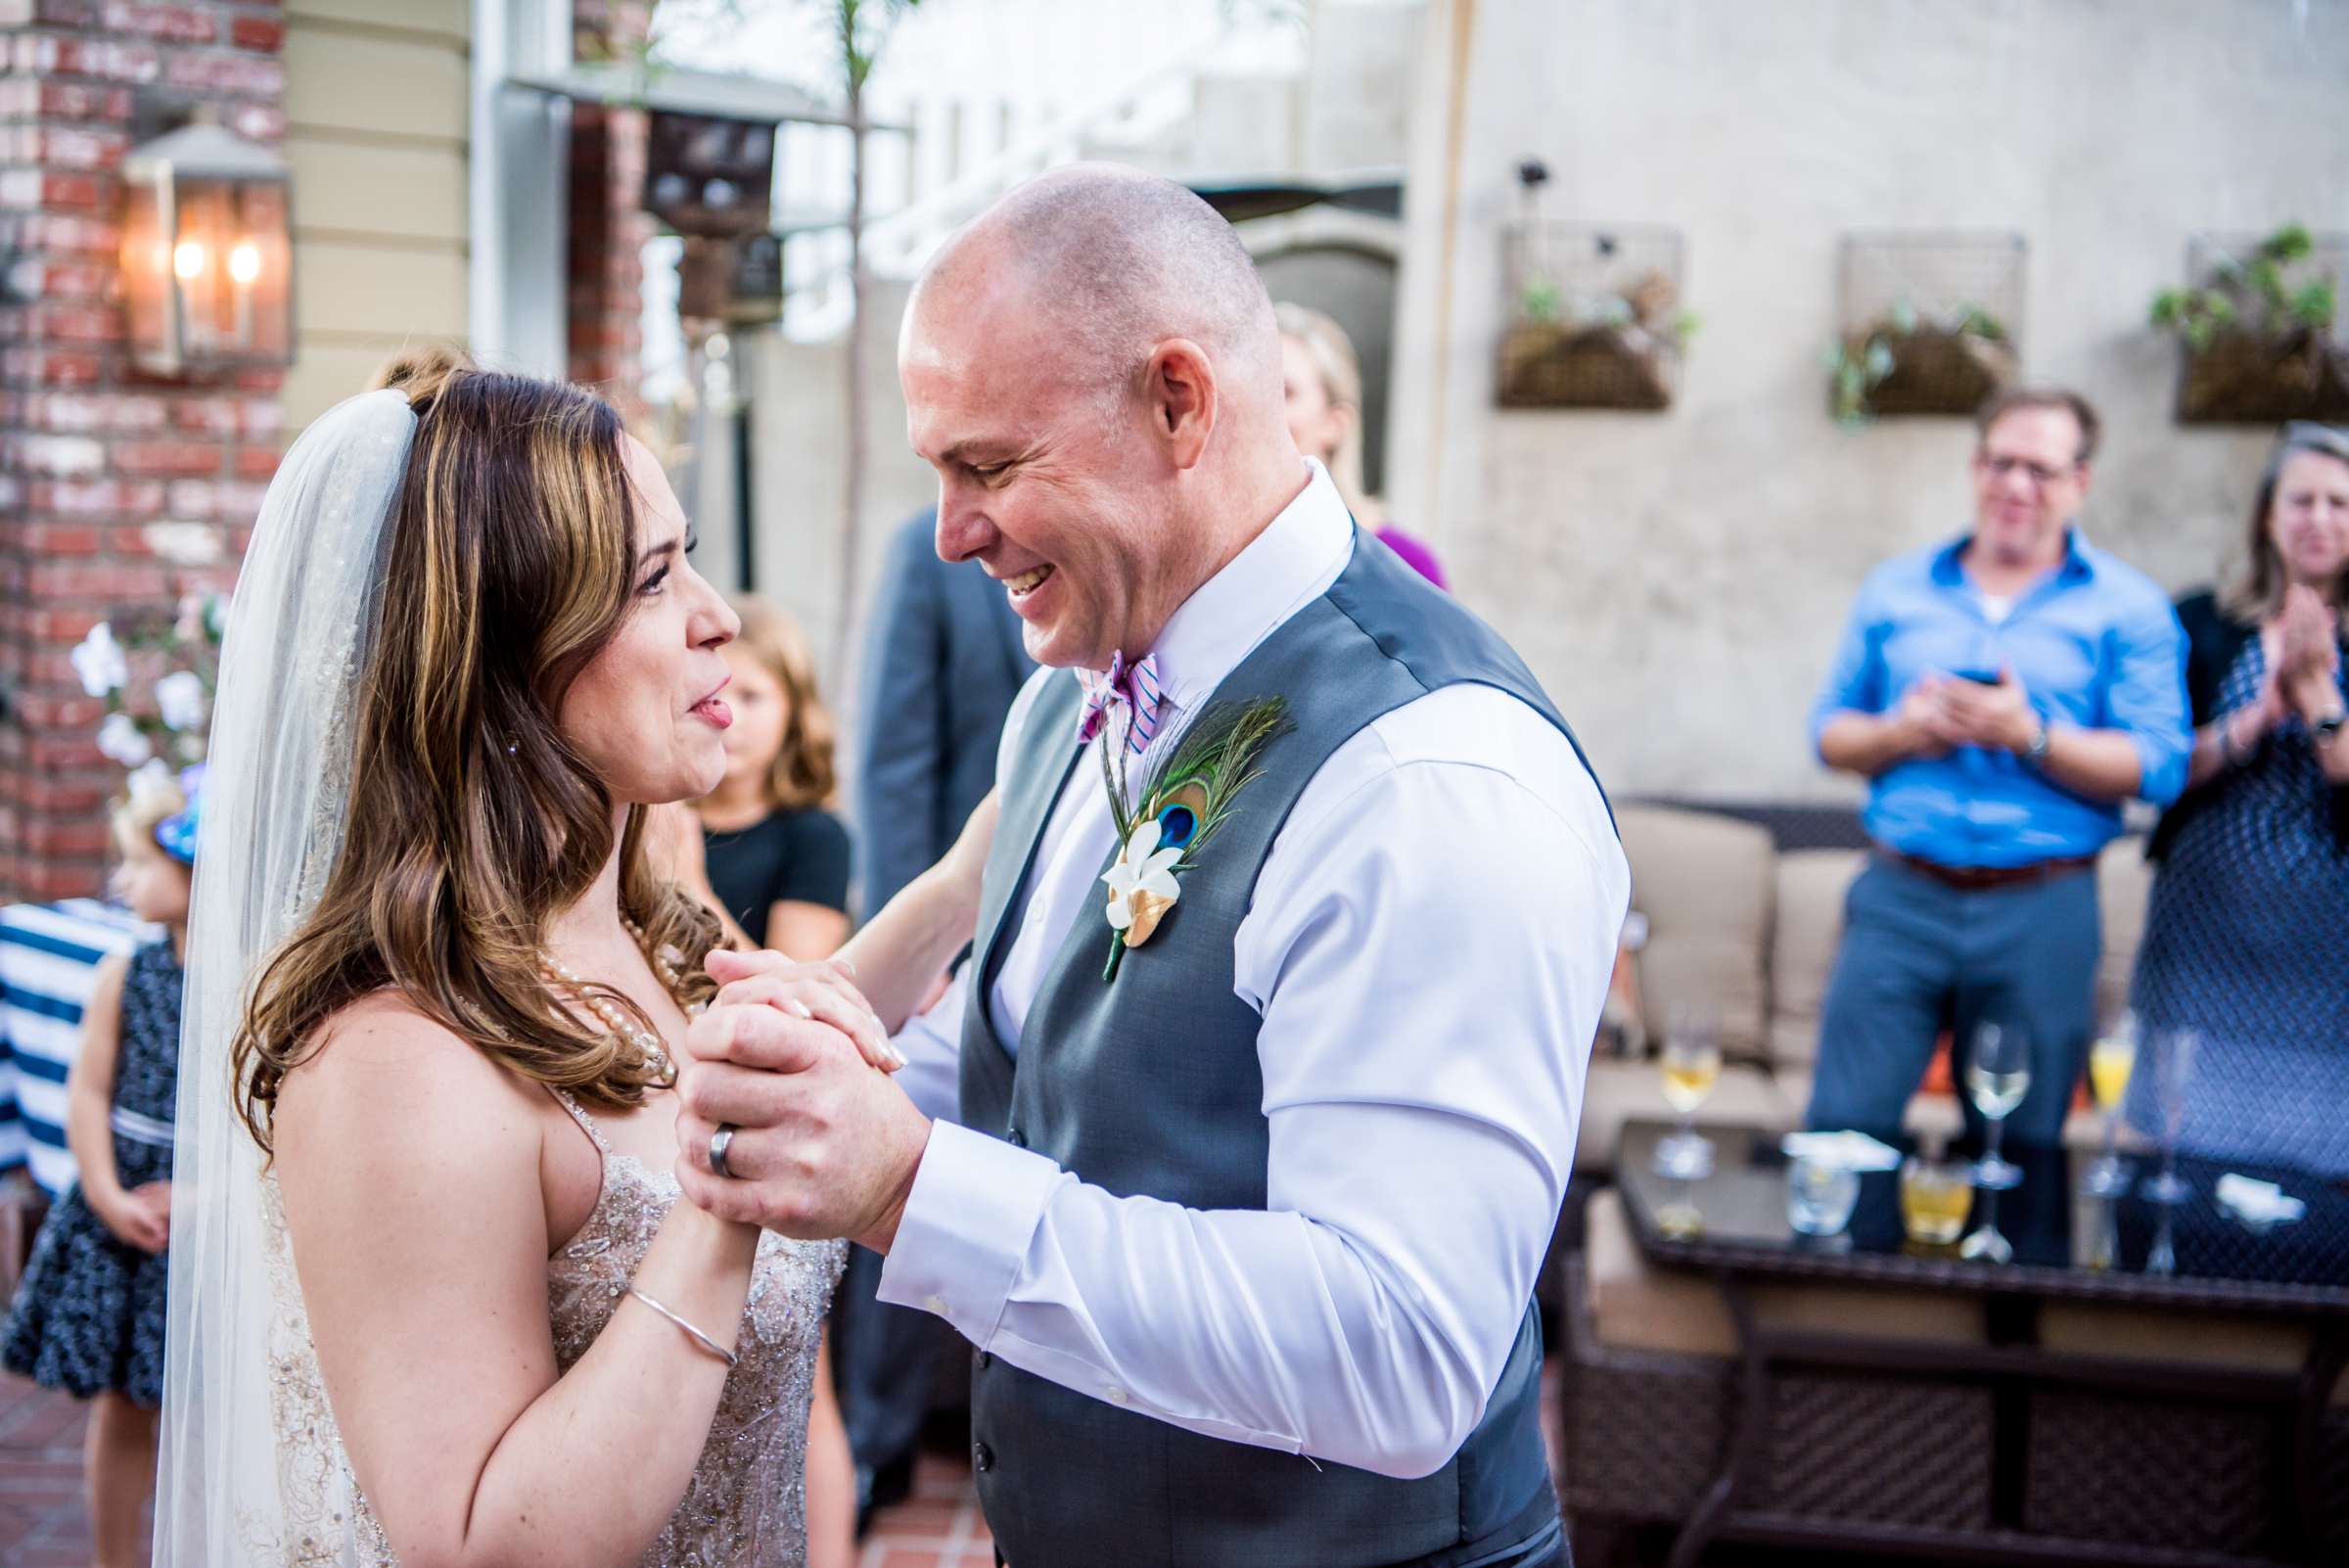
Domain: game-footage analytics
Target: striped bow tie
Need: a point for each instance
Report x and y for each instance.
(1134, 688)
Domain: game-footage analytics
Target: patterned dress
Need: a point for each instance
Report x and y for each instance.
(2247, 941)
(89, 1313)
(746, 1506)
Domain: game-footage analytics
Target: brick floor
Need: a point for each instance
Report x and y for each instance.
(40, 1493)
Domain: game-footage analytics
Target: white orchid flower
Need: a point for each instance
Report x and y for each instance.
(1142, 884)
(179, 696)
(151, 781)
(124, 742)
(100, 662)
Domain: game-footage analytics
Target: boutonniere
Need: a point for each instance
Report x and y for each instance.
(1182, 806)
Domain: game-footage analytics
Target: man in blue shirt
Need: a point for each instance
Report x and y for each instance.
(2004, 694)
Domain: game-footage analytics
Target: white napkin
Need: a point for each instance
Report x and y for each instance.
(1846, 1151)
(2258, 1203)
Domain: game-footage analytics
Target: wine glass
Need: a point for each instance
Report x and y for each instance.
(2173, 1072)
(1998, 1075)
(2111, 1060)
(1690, 1060)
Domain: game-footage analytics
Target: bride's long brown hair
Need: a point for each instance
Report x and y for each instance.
(508, 560)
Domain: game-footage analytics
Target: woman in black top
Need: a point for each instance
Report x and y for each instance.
(779, 859)
(2247, 938)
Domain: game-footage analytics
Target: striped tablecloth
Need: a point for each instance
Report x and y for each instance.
(49, 956)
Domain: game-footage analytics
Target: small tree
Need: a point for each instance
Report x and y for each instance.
(858, 30)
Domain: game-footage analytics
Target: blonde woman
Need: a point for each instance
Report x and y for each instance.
(1321, 387)
(779, 857)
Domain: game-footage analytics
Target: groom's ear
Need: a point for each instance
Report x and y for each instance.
(1182, 398)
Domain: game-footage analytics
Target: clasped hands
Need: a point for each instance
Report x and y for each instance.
(824, 1144)
(1945, 711)
(2303, 679)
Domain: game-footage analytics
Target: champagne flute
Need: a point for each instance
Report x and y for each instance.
(2112, 1061)
(1690, 1060)
(2173, 1070)
(1998, 1075)
(1988, 1244)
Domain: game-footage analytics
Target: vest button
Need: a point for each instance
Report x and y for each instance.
(1015, 1137)
(984, 1358)
(983, 1458)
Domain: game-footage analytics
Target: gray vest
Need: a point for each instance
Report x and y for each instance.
(1150, 1084)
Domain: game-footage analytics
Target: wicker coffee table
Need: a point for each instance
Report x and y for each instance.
(2040, 1487)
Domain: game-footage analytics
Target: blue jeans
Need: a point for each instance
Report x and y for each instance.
(1919, 956)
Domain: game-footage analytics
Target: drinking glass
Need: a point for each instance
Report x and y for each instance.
(2111, 1060)
(1820, 1196)
(1690, 1060)
(1935, 1197)
(1988, 1244)
(1998, 1075)
(1680, 1219)
(2162, 1257)
(2173, 1073)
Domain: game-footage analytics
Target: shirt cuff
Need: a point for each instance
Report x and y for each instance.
(964, 1237)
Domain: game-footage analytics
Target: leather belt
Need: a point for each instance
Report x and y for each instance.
(1983, 878)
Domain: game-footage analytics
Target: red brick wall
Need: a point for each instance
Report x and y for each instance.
(607, 227)
(117, 492)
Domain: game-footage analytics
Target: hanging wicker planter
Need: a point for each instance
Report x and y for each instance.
(2243, 378)
(1592, 317)
(1548, 365)
(2257, 329)
(1929, 324)
(1935, 371)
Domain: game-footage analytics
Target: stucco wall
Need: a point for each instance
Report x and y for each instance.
(1678, 579)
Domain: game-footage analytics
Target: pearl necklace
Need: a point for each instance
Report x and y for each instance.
(649, 1047)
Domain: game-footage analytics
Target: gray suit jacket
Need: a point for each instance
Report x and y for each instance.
(941, 669)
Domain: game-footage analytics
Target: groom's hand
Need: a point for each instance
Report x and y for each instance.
(823, 1145)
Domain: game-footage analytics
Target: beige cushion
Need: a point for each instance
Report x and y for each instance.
(2124, 888)
(1706, 884)
(1621, 1089)
(1809, 928)
(2178, 1339)
(1635, 1306)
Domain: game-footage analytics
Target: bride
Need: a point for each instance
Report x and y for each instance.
(440, 1301)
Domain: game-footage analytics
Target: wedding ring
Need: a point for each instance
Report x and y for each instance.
(720, 1142)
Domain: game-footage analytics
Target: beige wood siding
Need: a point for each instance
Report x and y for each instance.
(376, 117)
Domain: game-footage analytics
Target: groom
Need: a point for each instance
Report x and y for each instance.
(1244, 1225)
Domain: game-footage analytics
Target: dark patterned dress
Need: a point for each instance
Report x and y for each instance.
(89, 1313)
(2247, 941)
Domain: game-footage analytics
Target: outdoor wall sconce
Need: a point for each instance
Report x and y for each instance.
(206, 252)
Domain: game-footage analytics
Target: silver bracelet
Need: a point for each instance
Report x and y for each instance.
(698, 1337)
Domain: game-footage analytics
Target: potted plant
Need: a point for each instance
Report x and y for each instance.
(1913, 363)
(2258, 336)
(1594, 349)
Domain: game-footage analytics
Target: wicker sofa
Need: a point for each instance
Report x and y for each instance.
(1650, 1392)
(1752, 929)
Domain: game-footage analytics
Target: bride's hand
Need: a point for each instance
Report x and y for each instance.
(822, 992)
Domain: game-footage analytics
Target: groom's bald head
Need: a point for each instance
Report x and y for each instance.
(1094, 370)
(1106, 262)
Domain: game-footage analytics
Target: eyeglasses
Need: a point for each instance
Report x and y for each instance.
(2038, 474)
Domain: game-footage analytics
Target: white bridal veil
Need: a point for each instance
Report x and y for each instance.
(246, 1476)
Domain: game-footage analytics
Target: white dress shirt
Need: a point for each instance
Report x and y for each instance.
(1429, 943)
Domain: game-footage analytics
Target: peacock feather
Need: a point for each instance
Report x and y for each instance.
(1190, 797)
